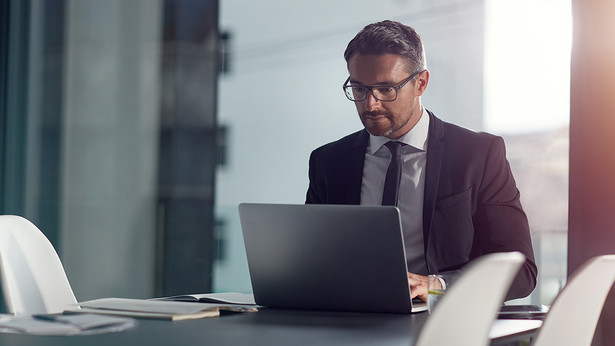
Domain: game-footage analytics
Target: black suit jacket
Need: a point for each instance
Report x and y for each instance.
(471, 203)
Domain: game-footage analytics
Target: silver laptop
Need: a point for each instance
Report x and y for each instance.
(327, 257)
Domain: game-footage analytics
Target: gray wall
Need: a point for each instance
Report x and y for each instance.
(111, 115)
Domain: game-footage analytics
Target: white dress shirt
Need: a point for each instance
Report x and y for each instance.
(411, 189)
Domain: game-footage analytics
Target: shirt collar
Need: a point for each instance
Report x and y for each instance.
(416, 137)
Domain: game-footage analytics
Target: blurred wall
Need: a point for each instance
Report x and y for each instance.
(592, 144)
(110, 134)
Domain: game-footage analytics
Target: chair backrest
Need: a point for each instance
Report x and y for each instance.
(575, 312)
(33, 279)
(466, 312)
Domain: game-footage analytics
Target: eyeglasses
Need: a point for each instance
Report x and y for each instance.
(384, 93)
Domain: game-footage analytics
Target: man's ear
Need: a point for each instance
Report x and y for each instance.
(422, 80)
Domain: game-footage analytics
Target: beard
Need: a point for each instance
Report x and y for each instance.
(383, 123)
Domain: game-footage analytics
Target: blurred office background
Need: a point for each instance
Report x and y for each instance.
(132, 129)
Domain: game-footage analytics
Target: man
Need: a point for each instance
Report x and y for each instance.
(457, 196)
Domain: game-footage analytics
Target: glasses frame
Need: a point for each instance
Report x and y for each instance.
(396, 87)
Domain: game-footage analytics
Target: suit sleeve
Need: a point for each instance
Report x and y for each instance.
(500, 222)
(314, 195)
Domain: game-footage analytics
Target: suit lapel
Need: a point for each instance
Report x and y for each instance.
(354, 167)
(435, 149)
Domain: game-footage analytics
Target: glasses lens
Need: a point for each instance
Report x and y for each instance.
(355, 93)
(359, 93)
(385, 93)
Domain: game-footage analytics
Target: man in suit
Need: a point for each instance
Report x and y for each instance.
(456, 193)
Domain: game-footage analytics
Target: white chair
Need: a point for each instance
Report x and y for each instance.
(33, 279)
(574, 314)
(466, 312)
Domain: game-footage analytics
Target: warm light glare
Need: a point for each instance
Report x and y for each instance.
(527, 65)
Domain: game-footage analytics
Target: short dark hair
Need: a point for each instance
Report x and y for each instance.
(389, 37)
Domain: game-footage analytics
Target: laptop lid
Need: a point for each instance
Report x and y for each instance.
(327, 257)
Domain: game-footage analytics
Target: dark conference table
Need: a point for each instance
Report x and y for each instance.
(265, 327)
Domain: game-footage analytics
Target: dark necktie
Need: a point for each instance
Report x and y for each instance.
(391, 183)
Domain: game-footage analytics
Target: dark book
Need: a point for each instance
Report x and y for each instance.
(531, 312)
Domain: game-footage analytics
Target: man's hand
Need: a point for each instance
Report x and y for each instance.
(418, 286)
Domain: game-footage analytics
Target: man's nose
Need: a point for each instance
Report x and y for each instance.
(371, 102)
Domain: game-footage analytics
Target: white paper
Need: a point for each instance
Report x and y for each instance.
(64, 325)
(140, 305)
(506, 327)
(224, 297)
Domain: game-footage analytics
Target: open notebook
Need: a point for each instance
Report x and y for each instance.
(327, 257)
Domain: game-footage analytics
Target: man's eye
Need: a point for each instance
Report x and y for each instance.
(385, 90)
(359, 89)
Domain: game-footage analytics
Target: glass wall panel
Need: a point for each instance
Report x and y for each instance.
(109, 145)
(114, 139)
(527, 101)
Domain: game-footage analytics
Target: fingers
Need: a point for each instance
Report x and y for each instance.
(418, 286)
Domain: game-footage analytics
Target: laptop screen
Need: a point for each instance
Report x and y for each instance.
(331, 257)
